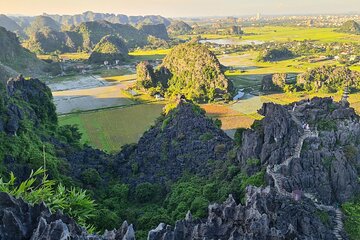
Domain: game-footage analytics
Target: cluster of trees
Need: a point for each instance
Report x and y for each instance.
(326, 79)
(275, 54)
(329, 79)
(148, 204)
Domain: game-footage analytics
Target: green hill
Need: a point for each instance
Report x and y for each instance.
(10, 25)
(16, 59)
(84, 37)
(191, 70)
(350, 27)
(42, 23)
(110, 48)
(113, 18)
(179, 28)
(158, 31)
(48, 41)
(93, 32)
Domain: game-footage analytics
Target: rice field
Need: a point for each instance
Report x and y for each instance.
(282, 34)
(110, 129)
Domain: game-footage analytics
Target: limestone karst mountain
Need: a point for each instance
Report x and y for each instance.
(110, 48)
(179, 27)
(15, 59)
(350, 26)
(42, 23)
(158, 31)
(192, 70)
(298, 147)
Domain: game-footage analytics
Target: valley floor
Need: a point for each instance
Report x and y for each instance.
(86, 99)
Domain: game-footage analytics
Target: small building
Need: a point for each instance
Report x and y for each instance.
(159, 97)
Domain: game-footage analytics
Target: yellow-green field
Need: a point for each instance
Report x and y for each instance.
(276, 33)
(249, 73)
(67, 56)
(143, 55)
(112, 128)
(282, 34)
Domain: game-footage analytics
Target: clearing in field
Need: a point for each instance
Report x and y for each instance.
(110, 129)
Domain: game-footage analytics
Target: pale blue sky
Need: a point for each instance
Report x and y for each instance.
(178, 8)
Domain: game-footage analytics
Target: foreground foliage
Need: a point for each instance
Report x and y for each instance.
(38, 188)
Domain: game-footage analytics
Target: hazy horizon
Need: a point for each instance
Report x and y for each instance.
(184, 8)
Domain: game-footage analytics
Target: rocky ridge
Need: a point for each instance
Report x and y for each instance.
(312, 143)
(22, 221)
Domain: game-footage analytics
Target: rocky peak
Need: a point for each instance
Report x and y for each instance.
(183, 140)
(305, 145)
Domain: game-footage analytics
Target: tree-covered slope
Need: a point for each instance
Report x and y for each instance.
(93, 32)
(196, 73)
(16, 59)
(178, 28)
(48, 41)
(191, 70)
(158, 31)
(10, 25)
(329, 79)
(110, 48)
(42, 23)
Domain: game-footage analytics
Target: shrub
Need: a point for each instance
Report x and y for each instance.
(218, 123)
(91, 177)
(253, 162)
(206, 137)
(38, 188)
(327, 125)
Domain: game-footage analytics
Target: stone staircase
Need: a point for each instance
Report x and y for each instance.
(279, 178)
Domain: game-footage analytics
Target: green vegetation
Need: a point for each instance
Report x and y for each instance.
(158, 30)
(329, 79)
(274, 54)
(286, 34)
(42, 23)
(93, 32)
(195, 73)
(38, 188)
(14, 58)
(189, 69)
(110, 48)
(110, 129)
(324, 217)
(179, 28)
(352, 222)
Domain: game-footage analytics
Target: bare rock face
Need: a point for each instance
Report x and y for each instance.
(266, 215)
(313, 144)
(22, 221)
